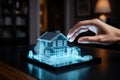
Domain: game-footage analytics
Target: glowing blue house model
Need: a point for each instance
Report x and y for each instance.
(52, 49)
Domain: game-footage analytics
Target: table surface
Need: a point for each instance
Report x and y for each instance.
(108, 69)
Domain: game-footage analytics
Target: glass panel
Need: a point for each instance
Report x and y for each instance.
(54, 43)
(60, 43)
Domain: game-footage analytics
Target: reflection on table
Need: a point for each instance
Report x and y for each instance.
(46, 75)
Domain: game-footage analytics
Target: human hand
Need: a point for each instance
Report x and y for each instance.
(105, 33)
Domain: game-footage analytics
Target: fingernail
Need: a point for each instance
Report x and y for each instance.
(68, 36)
(71, 39)
(84, 42)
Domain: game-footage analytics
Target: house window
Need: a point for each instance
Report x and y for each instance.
(60, 43)
(47, 53)
(65, 43)
(60, 52)
(54, 43)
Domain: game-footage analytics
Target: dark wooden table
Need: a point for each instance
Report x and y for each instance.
(109, 69)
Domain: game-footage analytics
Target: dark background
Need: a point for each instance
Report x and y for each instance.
(56, 13)
(61, 15)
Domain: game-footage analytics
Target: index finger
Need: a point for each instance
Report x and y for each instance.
(78, 26)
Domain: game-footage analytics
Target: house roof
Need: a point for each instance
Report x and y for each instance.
(50, 36)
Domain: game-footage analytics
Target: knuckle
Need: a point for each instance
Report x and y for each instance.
(95, 21)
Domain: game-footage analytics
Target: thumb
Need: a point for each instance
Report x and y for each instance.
(88, 39)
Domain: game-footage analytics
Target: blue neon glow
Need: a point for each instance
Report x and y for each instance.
(42, 74)
(52, 49)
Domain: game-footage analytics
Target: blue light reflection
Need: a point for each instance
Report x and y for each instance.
(78, 74)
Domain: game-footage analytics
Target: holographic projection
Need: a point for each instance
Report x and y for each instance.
(52, 49)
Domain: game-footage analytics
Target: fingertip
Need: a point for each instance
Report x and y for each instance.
(83, 42)
(68, 35)
(71, 39)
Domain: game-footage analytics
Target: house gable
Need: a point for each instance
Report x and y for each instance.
(50, 36)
